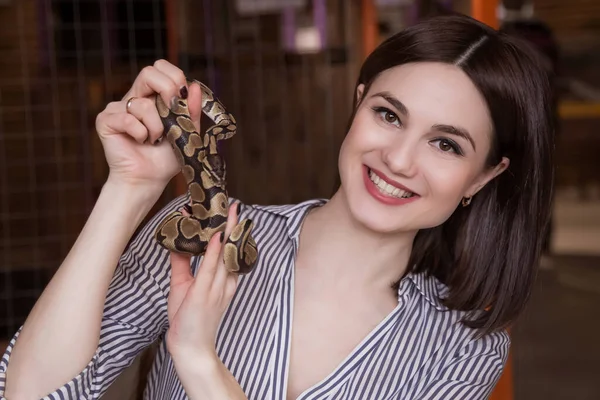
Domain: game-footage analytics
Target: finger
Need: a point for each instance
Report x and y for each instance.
(181, 270)
(185, 210)
(232, 218)
(222, 272)
(150, 81)
(107, 124)
(208, 267)
(176, 75)
(144, 110)
(231, 286)
(114, 107)
(195, 104)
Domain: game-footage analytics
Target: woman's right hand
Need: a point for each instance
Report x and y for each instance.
(130, 137)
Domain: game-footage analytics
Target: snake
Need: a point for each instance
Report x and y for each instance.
(204, 170)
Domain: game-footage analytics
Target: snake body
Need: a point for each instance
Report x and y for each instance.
(205, 174)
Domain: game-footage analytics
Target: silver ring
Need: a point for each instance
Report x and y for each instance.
(128, 105)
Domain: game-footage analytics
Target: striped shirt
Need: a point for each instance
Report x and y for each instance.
(418, 351)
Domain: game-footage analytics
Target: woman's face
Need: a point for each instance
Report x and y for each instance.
(416, 147)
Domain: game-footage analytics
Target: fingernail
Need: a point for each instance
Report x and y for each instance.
(183, 92)
(222, 236)
(173, 102)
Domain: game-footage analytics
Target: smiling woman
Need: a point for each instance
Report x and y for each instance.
(398, 287)
(456, 114)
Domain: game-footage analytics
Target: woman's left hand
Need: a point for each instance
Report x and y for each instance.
(196, 304)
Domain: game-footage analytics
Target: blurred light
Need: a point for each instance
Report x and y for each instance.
(308, 40)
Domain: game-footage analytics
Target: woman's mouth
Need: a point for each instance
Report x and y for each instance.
(386, 188)
(385, 192)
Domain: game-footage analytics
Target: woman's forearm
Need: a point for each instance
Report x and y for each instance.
(207, 378)
(62, 330)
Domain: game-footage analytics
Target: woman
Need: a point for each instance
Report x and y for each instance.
(398, 287)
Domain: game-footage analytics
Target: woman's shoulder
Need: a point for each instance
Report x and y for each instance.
(277, 219)
(451, 354)
(283, 210)
(430, 293)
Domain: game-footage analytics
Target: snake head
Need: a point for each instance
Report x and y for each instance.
(215, 166)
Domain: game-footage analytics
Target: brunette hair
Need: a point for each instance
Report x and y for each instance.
(486, 253)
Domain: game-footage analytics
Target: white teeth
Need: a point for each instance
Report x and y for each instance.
(388, 189)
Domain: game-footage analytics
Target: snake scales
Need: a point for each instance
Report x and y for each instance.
(205, 173)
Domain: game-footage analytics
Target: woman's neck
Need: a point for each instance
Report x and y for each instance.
(339, 249)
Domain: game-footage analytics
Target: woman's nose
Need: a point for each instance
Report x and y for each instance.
(401, 157)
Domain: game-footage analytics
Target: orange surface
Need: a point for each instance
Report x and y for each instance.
(485, 11)
(579, 109)
(369, 27)
(504, 388)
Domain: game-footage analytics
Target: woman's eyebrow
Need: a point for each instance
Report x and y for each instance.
(393, 101)
(453, 130)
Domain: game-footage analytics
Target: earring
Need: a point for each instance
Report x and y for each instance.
(466, 201)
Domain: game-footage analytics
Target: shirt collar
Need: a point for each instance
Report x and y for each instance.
(432, 290)
(295, 214)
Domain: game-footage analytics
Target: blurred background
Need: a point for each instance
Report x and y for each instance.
(286, 69)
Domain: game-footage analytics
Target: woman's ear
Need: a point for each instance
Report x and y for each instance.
(359, 92)
(487, 176)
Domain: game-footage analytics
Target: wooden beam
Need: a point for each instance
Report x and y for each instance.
(485, 11)
(579, 109)
(369, 27)
(171, 17)
(172, 31)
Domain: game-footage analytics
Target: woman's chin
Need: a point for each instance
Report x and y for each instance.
(375, 219)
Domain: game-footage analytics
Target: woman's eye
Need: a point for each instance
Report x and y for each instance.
(390, 117)
(387, 116)
(446, 145)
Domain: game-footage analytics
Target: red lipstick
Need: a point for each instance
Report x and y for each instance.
(384, 198)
